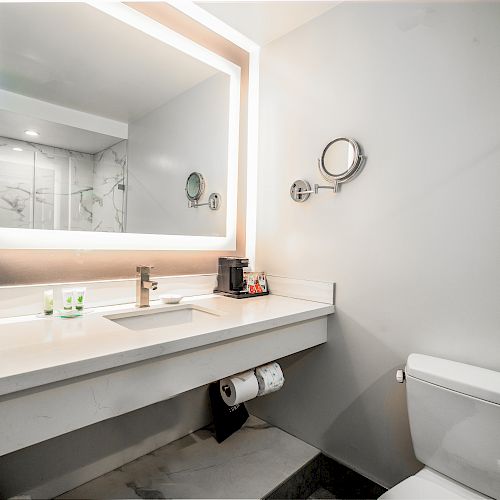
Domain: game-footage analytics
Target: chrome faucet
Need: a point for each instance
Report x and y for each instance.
(143, 285)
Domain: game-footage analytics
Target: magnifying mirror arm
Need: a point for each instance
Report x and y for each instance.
(334, 187)
(301, 190)
(213, 203)
(317, 187)
(195, 204)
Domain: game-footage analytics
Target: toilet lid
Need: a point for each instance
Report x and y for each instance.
(429, 484)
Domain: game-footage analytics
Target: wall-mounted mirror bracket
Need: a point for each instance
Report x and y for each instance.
(301, 190)
(213, 203)
(341, 161)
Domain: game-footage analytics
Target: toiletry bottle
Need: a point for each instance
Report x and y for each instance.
(48, 302)
(67, 296)
(79, 298)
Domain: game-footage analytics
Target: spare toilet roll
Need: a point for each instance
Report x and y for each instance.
(239, 388)
(270, 378)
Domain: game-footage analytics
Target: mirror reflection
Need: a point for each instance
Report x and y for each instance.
(338, 156)
(94, 136)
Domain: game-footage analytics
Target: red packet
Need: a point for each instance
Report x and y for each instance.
(256, 283)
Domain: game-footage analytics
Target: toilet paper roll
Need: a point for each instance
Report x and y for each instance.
(239, 388)
(270, 378)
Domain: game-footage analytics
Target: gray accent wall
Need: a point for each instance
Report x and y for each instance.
(57, 465)
(413, 242)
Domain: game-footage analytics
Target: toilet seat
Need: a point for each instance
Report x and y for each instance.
(428, 484)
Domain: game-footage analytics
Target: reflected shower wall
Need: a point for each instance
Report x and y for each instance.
(17, 174)
(108, 197)
(45, 187)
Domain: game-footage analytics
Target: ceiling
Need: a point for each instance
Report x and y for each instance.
(76, 56)
(13, 125)
(265, 21)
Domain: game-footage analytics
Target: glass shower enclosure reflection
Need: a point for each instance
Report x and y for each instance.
(45, 187)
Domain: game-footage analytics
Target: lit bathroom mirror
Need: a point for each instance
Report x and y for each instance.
(340, 160)
(96, 137)
(195, 186)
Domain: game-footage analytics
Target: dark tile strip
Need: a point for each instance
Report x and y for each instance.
(324, 473)
(302, 484)
(345, 483)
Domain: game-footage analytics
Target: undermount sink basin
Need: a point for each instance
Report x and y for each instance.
(161, 318)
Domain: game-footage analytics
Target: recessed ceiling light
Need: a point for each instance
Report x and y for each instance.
(17, 149)
(33, 133)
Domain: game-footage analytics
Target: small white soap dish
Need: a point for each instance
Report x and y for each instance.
(171, 298)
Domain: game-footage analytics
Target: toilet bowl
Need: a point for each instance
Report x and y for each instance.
(454, 413)
(428, 484)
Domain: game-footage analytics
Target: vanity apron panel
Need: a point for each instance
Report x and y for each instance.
(38, 414)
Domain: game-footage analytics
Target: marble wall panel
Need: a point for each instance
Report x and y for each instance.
(108, 204)
(45, 187)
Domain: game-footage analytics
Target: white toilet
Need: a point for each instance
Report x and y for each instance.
(454, 412)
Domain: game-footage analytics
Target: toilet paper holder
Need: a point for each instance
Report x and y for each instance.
(255, 382)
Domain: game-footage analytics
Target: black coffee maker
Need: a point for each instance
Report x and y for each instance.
(230, 280)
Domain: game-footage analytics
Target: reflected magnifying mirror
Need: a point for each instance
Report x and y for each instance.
(195, 186)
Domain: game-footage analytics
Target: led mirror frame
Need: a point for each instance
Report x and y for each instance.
(40, 239)
(351, 171)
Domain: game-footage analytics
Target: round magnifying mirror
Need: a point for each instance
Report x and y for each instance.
(195, 185)
(340, 160)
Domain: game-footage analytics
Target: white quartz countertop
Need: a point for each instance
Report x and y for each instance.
(36, 351)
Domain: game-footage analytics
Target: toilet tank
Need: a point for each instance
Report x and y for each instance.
(454, 412)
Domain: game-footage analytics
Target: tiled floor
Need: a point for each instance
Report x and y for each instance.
(249, 464)
(258, 461)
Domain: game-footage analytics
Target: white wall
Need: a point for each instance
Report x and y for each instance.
(413, 242)
(189, 133)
